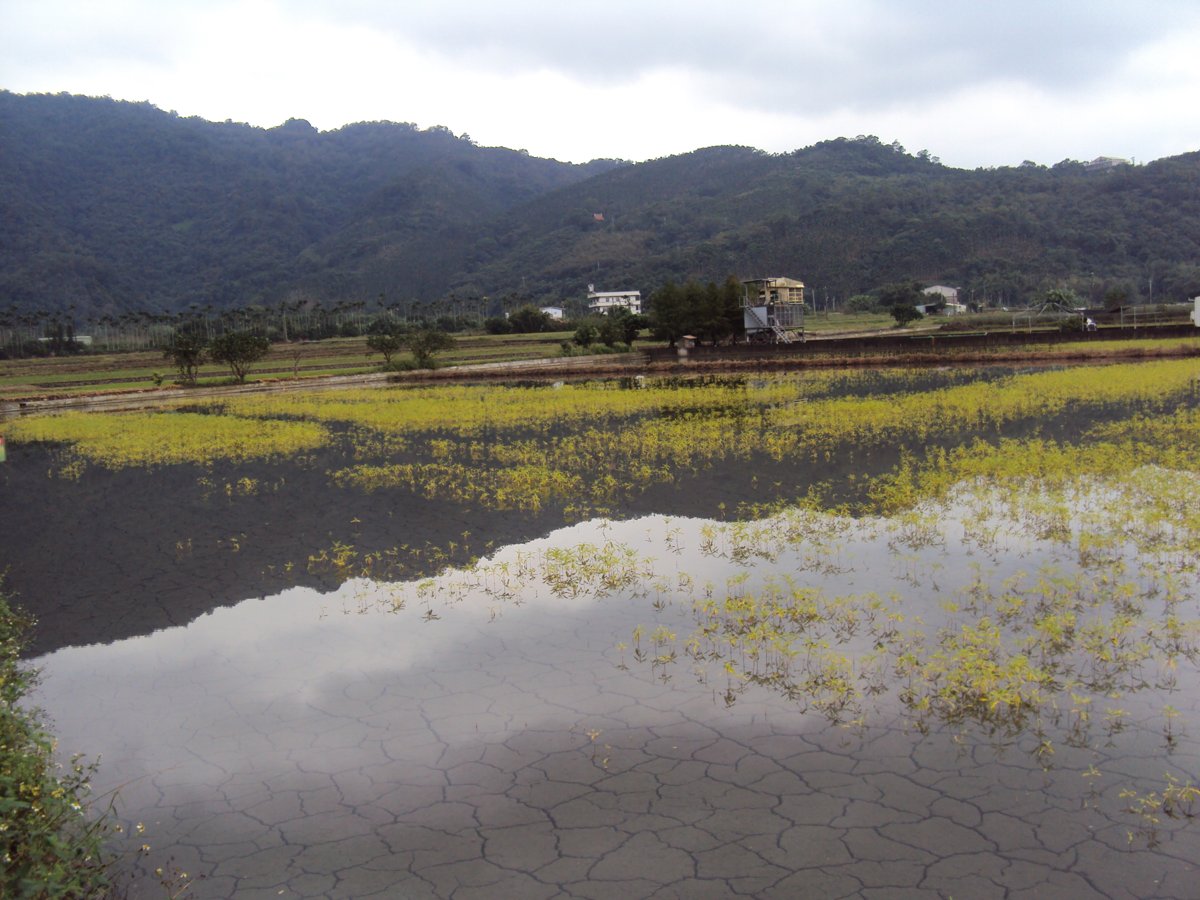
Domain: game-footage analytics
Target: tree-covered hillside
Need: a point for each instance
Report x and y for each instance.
(848, 215)
(113, 206)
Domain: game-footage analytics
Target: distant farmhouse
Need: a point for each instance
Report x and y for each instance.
(554, 312)
(601, 302)
(942, 299)
(1105, 163)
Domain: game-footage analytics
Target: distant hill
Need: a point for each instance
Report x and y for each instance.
(848, 215)
(111, 206)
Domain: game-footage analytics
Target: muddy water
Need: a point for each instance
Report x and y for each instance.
(489, 736)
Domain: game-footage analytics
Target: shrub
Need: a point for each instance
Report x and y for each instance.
(49, 844)
(497, 325)
(585, 334)
(187, 352)
(529, 320)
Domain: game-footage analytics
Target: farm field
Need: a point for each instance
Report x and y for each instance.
(146, 371)
(137, 371)
(836, 632)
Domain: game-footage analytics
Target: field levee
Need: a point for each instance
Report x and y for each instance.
(927, 342)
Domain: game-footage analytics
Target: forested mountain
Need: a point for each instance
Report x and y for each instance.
(114, 206)
(849, 215)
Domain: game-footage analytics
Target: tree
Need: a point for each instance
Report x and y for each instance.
(1064, 298)
(424, 344)
(529, 320)
(669, 319)
(902, 293)
(718, 311)
(1115, 297)
(608, 330)
(239, 350)
(187, 352)
(632, 325)
(497, 325)
(904, 313)
(862, 303)
(618, 326)
(387, 343)
(731, 305)
(586, 333)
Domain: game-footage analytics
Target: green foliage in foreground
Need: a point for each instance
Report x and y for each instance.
(48, 846)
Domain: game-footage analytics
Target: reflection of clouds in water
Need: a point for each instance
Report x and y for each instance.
(287, 648)
(294, 637)
(288, 651)
(370, 707)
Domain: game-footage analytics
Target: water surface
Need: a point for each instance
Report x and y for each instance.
(494, 736)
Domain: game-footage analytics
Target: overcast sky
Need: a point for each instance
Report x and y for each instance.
(977, 83)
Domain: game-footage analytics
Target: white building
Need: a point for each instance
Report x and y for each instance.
(942, 297)
(601, 302)
(1105, 164)
(554, 312)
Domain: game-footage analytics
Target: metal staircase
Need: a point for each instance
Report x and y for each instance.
(782, 335)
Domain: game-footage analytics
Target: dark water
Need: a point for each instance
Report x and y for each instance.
(455, 738)
(116, 554)
(492, 738)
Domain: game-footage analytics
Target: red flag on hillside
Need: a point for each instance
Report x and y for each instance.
(599, 217)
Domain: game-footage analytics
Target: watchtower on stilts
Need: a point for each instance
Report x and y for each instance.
(773, 310)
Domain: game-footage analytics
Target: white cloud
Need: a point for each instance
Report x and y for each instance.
(977, 84)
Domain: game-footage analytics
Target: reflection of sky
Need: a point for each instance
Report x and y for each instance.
(266, 663)
(287, 649)
(283, 648)
(341, 694)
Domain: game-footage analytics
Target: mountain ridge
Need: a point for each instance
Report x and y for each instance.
(108, 206)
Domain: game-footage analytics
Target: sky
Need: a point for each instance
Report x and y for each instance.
(974, 82)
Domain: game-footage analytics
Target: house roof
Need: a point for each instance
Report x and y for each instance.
(775, 282)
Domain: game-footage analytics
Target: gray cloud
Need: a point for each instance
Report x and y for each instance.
(977, 82)
(811, 56)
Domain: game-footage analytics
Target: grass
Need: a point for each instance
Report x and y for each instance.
(823, 323)
(85, 374)
(1149, 346)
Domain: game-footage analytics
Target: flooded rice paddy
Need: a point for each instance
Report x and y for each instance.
(901, 634)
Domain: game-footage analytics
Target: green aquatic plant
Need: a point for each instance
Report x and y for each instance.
(120, 440)
(1175, 801)
(590, 448)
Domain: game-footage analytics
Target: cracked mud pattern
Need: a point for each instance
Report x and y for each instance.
(313, 746)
